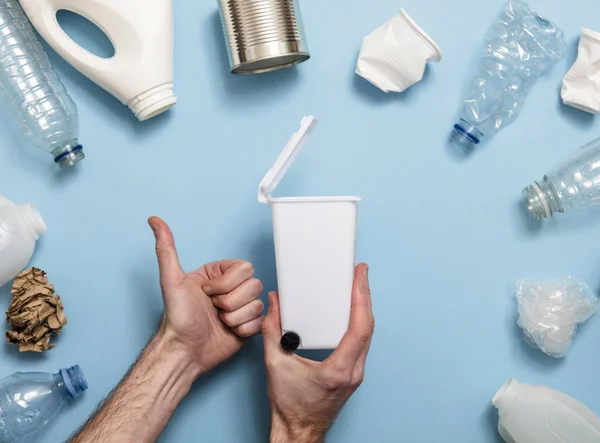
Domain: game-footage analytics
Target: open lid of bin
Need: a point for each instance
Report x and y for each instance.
(285, 159)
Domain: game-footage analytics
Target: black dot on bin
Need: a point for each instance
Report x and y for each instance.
(290, 341)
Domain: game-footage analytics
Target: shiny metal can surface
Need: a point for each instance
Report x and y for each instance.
(263, 35)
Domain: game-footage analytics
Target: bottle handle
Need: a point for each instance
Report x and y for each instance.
(43, 17)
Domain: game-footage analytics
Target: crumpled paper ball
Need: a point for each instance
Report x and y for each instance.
(549, 312)
(34, 313)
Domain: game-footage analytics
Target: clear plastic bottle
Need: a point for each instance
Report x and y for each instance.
(28, 401)
(572, 184)
(519, 47)
(31, 88)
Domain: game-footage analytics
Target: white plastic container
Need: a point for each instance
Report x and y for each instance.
(140, 73)
(315, 240)
(20, 227)
(538, 414)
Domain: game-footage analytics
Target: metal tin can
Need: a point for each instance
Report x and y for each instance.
(263, 35)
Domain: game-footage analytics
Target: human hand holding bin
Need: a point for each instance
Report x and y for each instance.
(306, 395)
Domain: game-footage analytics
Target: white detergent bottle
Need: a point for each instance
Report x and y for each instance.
(140, 73)
(20, 227)
(538, 414)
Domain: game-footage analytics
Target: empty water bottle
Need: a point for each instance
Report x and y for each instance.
(519, 47)
(572, 184)
(32, 90)
(28, 401)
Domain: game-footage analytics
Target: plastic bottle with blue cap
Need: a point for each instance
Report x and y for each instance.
(519, 47)
(29, 400)
(32, 90)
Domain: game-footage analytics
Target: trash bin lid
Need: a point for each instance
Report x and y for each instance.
(285, 159)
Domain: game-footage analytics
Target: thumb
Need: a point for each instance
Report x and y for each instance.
(271, 327)
(168, 262)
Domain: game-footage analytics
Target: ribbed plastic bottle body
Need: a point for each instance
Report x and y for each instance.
(31, 88)
(28, 401)
(577, 180)
(519, 47)
(573, 184)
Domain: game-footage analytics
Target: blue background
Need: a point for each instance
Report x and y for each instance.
(445, 235)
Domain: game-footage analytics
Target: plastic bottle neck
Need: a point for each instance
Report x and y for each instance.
(466, 135)
(504, 393)
(60, 386)
(153, 102)
(69, 154)
(542, 199)
(32, 220)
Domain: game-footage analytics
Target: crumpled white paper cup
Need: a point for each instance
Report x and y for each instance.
(581, 85)
(393, 57)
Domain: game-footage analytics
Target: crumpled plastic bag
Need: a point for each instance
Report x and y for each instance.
(549, 312)
(34, 313)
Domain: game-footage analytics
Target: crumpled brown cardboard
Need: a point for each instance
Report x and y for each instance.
(34, 313)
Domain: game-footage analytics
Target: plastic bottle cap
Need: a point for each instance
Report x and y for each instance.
(74, 379)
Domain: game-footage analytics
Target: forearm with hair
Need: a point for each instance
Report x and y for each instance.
(282, 432)
(140, 407)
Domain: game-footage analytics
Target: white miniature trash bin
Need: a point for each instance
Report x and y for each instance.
(315, 243)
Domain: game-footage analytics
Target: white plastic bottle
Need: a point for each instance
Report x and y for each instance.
(140, 73)
(538, 414)
(20, 227)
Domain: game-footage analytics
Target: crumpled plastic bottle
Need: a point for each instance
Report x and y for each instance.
(519, 47)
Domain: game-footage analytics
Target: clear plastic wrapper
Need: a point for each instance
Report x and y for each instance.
(550, 311)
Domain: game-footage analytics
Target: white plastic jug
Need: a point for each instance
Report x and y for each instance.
(315, 241)
(20, 227)
(538, 414)
(140, 73)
